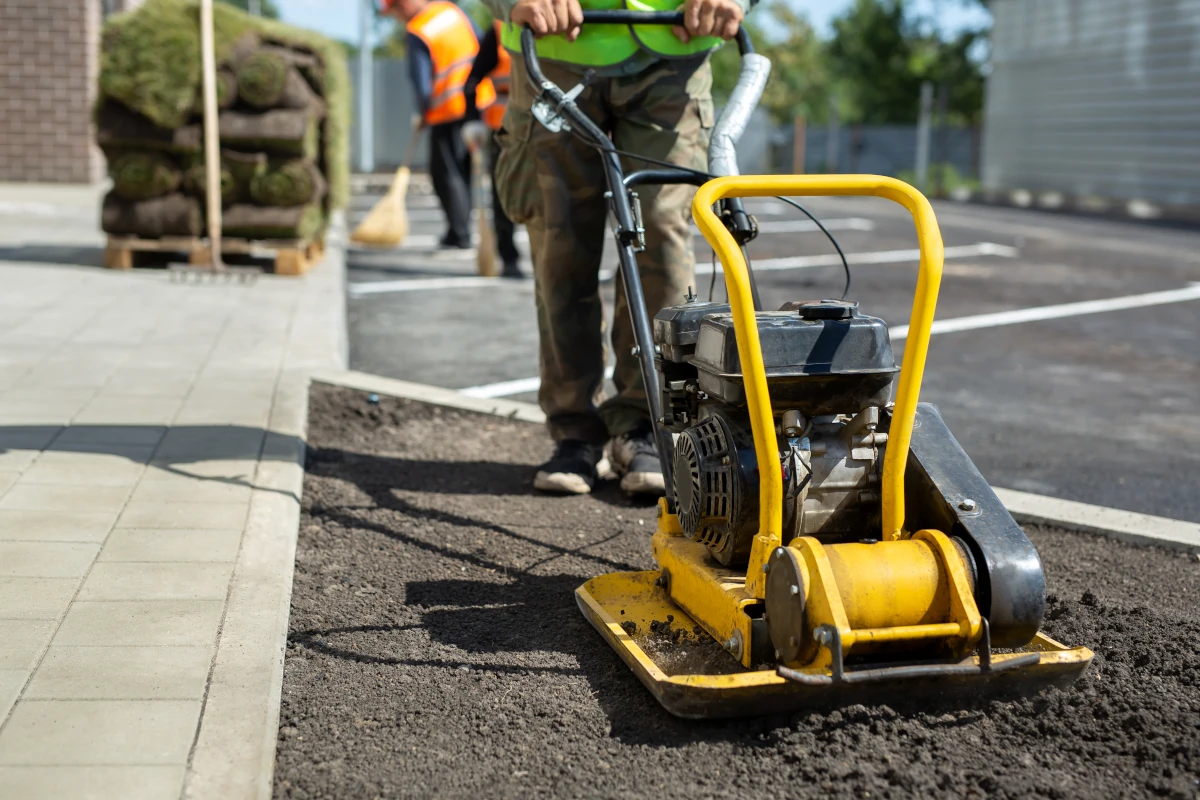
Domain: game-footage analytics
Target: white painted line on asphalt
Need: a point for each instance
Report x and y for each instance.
(900, 332)
(1021, 315)
(1025, 507)
(428, 241)
(864, 259)
(424, 284)
(1126, 525)
(702, 268)
(509, 388)
(504, 388)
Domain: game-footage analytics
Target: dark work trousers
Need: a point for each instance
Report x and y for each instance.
(500, 221)
(450, 169)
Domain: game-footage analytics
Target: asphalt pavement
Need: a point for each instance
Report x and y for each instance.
(1093, 399)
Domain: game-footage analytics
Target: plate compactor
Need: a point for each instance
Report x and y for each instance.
(820, 525)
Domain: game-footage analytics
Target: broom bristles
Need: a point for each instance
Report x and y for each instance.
(386, 224)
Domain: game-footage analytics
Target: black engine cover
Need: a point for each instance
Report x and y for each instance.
(821, 358)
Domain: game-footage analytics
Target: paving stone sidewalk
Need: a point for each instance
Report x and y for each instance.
(150, 471)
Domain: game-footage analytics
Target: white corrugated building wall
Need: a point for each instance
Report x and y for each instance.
(1095, 104)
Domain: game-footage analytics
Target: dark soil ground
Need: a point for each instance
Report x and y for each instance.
(436, 651)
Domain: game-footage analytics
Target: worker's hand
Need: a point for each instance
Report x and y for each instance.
(548, 17)
(709, 18)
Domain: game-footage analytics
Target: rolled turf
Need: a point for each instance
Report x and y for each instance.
(118, 128)
(142, 176)
(237, 171)
(255, 222)
(195, 183)
(293, 183)
(172, 215)
(286, 131)
(150, 62)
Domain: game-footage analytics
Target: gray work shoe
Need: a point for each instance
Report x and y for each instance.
(571, 470)
(634, 457)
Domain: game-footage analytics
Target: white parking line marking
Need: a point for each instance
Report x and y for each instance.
(702, 268)
(503, 388)
(863, 259)
(1020, 315)
(428, 241)
(509, 388)
(424, 284)
(900, 332)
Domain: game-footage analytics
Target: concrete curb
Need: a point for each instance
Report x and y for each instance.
(377, 384)
(234, 752)
(1127, 526)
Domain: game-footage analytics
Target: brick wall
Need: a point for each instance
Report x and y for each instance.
(48, 63)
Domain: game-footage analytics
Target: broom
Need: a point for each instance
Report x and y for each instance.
(476, 134)
(386, 224)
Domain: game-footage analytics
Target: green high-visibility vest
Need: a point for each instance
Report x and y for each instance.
(606, 45)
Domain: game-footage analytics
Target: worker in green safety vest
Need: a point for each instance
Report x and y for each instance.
(652, 95)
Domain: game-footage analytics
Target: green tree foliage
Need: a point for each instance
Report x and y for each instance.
(877, 56)
(880, 56)
(874, 65)
(799, 84)
(267, 8)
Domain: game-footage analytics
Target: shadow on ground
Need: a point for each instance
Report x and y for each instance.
(436, 649)
(176, 449)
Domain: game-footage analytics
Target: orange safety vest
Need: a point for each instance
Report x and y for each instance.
(501, 77)
(452, 43)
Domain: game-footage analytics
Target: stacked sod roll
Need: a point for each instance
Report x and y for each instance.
(284, 115)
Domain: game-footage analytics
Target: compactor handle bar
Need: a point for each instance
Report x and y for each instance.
(744, 99)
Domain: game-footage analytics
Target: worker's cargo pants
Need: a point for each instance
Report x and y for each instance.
(450, 171)
(555, 185)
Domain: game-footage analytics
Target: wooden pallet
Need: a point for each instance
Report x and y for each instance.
(292, 256)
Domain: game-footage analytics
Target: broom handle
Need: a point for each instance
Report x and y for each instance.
(413, 141)
(212, 141)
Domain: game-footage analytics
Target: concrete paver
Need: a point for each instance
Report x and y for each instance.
(175, 545)
(207, 516)
(22, 641)
(55, 526)
(94, 782)
(45, 732)
(141, 623)
(116, 580)
(36, 598)
(48, 497)
(122, 673)
(150, 443)
(46, 559)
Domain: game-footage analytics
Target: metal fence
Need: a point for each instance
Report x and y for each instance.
(394, 107)
(874, 149)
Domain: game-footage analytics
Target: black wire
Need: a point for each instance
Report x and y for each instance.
(832, 239)
(809, 214)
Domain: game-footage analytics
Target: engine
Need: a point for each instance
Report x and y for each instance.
(829, 375)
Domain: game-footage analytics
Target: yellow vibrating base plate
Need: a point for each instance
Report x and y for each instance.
(686, 671)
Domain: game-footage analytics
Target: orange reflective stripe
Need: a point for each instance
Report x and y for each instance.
(452, 43)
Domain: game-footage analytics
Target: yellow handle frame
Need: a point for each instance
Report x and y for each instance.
(762, 420)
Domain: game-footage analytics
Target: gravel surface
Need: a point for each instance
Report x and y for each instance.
(436, 650)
